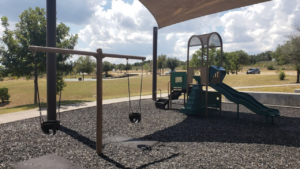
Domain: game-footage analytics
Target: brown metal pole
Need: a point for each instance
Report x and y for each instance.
(99, 103)
(207, 78)
(170, 91)
(154, 62)
(187, 70)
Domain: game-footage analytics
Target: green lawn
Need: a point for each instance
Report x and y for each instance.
(21, 91)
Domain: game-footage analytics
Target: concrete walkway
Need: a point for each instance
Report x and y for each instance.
(10, 117)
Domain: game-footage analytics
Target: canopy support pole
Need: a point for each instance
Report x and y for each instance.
(51, 60)
(99, 103)
(154, 61)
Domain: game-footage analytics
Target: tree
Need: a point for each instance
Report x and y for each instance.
(106, 67)
(85, 64)
(214, 57)
(172, 63)
(292, 49)
(128, 67)
(196, 59)
(146, 67)
(161, 61)
(2, 71)
(279, 55)
(31, 30)
(233, 59)
(243, 57)
(121, 67)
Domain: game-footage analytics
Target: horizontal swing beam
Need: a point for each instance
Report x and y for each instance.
(99, 57)
(80, 52)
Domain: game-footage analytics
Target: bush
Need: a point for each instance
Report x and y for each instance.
(1, 79)
(281, 75)
(4, 94)
(270, 67)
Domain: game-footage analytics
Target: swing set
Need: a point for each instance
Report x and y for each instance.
(135, 117)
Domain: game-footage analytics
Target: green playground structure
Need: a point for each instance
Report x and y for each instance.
(195, 82)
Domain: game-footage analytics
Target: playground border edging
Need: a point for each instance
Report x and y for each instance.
(275, 98)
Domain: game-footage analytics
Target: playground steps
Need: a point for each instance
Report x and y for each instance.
(193, 105)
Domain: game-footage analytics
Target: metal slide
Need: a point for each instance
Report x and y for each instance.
(244, 99)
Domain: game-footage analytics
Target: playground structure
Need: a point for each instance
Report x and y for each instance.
(54, 123)
(199, 99)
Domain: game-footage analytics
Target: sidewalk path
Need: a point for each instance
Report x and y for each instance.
(10, 117)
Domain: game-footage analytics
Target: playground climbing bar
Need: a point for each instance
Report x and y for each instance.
(99, 56)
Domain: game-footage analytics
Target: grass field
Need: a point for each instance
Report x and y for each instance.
(21, 91)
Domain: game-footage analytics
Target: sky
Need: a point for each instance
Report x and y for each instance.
(126, 26)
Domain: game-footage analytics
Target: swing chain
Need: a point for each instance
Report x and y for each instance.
(130, 107)
(37, 90)
(134, 117)
(61, 84)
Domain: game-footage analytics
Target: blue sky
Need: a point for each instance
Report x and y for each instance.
(125, 26)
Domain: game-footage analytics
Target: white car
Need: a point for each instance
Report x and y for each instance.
(169, 71)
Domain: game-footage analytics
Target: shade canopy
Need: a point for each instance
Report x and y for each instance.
(169, 12)
(206, 40)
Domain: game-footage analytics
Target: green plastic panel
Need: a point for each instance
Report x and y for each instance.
(214, 69)
(213, 99)
(178, 79)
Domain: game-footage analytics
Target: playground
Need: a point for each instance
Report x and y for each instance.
(191, 126)
(184, 141)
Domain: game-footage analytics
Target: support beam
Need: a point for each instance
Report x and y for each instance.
(51, 60)
(154, 61)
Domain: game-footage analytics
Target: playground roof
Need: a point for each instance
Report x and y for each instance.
(169, 12)
(207, 40)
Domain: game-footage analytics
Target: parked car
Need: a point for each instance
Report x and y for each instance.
(253, 71)
(169, 71)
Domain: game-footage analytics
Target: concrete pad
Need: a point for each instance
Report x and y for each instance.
(125, 141)
(51, 161)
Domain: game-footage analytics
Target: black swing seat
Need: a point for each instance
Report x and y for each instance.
(161, 103)
(135, 117)
(53, 125)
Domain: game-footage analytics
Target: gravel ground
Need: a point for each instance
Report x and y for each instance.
(183, 141)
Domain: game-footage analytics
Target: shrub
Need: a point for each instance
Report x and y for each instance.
(4, 94)
(281, 75)
(270, 67)
(1, 79)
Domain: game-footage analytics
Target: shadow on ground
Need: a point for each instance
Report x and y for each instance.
(224, 128)
(2, 104)
(92, 144)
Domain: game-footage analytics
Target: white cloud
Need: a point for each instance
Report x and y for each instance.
(260, 27)
(127, 28)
